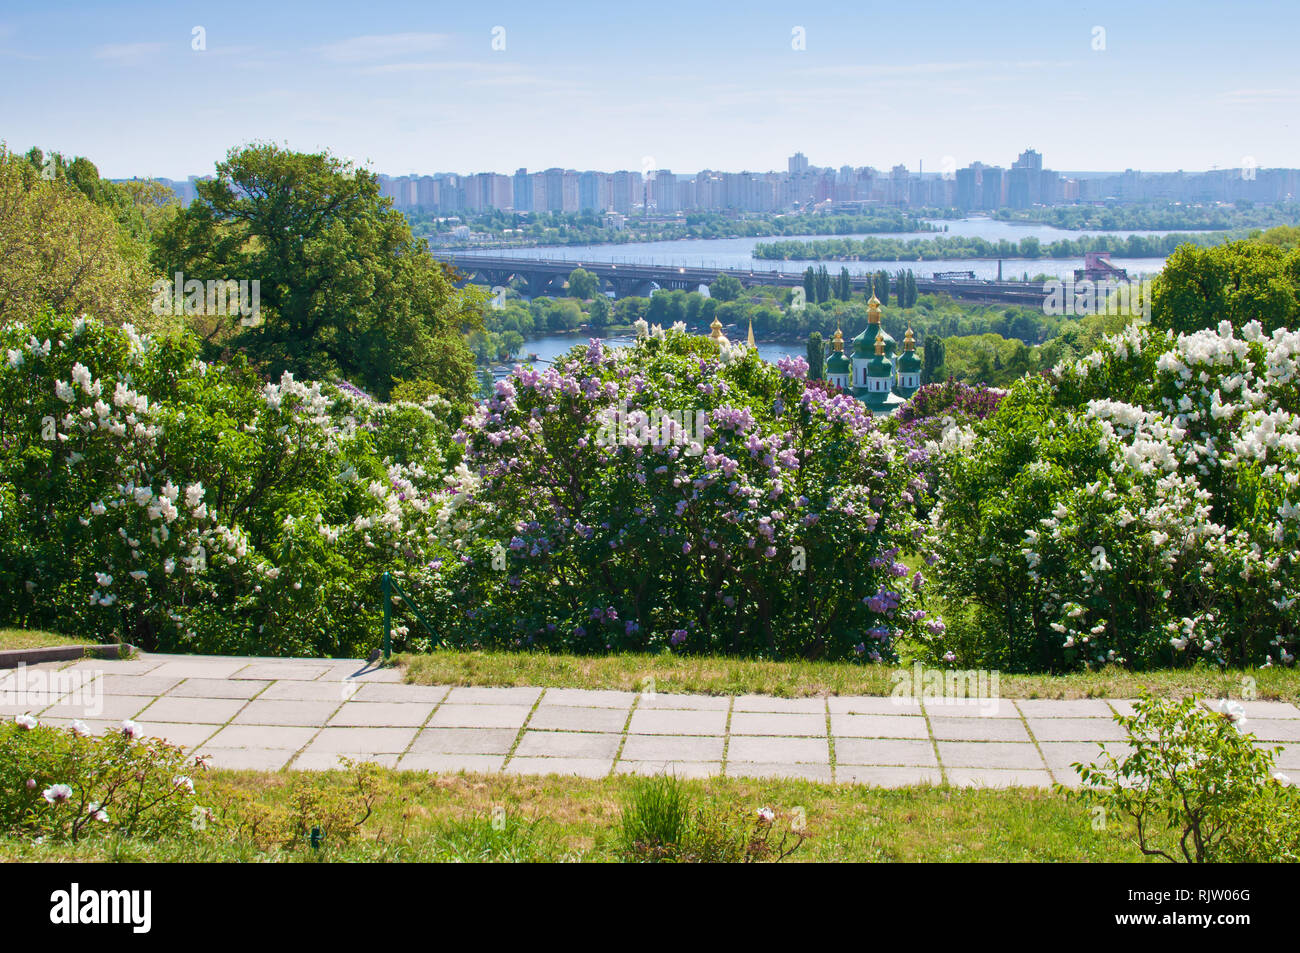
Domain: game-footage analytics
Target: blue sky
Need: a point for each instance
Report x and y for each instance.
(417, 86)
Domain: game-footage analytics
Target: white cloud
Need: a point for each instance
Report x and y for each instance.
(361, 49)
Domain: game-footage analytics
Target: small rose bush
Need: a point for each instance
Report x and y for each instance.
(65, 784)
(1139, 507)
(150, 497)
(767, 519)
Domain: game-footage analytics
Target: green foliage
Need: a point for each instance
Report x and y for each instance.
(1194, 788)
(769, 521)
(1238, 282)
(1138, 508)
(61, 244)
(967, 246)
(583, 284)
(63, 784)
(816, 356)
(148, 497)
(725, 288)
(344, 286)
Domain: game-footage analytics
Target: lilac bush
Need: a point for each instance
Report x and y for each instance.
(678, 496)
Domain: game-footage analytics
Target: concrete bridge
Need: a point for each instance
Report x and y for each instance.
(548, 276)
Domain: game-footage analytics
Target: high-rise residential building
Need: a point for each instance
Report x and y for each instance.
(522, 191)
(797, 164)
(554, 190)
(665, 191)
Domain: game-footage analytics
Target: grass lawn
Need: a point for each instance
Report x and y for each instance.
(722, 676)
(449, 817)
(34, 639)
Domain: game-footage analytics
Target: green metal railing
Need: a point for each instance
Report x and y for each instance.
(389, 585)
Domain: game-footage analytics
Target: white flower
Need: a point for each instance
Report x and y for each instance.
(97, 813)
(103, 578)
(25, 722)
(766, 815)
(80, 728)
(1099, 561)
(57, 793)
(181, 781)
(131, 729)
(63, 390)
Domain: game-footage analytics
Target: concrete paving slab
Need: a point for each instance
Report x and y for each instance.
(990, 754)
(1075, 729)
(450, 715)
(665, 721)
(280, 737)
(885, 751)
(382, 714)
(484, 741)
(200, 711)
(199, 668)
(393, 692)
(1064, 708)
(137, 684)
(259, 712)
(673, 748)
(804, 706)
(983, 729)
(777, 749)
(361, 740)
(773, 723)
(330, 690)
(571, 718)
(107, 708)
(568, 744)
(878, 726)
(215, 688)
(587, 698)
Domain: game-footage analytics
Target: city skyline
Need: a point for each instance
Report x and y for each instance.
(1157, 88)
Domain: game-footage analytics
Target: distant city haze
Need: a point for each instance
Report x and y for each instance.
(164, 90)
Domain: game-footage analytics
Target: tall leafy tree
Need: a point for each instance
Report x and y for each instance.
(931, 359)
(1238, 281)
(725, 287)
(583, 284)
(816, 356)
(344, 286)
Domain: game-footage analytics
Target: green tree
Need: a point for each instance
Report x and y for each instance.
(816, 356)
(583, 284)
(344, 286)
(1239, 281)
(61, 250)
(810, 285)
(931, 359)
(725, 287)
(598, 313)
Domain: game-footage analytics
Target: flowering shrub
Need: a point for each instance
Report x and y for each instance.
(150, 497)
(935, 408)
(772, 522)
(1142, 507)
(1195, 787)
(65, 784)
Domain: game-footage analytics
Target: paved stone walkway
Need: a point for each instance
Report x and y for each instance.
(304, 714)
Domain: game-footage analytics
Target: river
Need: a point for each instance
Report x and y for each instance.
(738, 253)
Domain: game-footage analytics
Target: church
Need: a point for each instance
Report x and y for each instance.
(878, 374)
